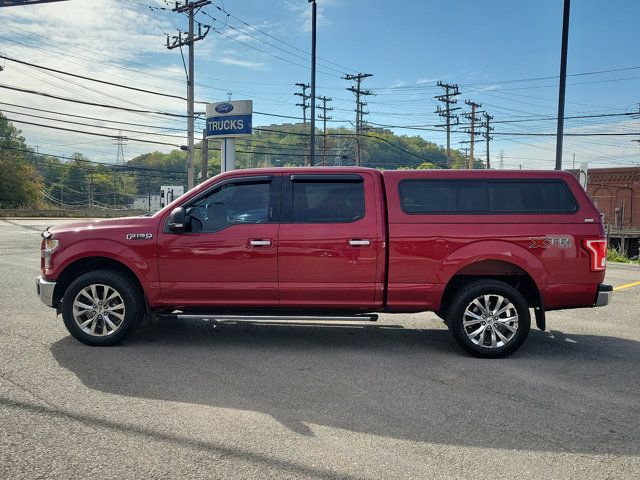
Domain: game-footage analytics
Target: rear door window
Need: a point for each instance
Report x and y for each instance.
(326, 201)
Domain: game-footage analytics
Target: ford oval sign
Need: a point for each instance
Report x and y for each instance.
(224, 108)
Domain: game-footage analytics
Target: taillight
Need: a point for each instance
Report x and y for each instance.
(598, 253)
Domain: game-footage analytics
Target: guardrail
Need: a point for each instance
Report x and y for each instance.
(86, 213)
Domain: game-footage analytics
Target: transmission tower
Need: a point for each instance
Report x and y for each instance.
(473, 118)
(358, 92)
(487, 134)
(323, 116)
(191, 8)
(120, 142)
(448, 98)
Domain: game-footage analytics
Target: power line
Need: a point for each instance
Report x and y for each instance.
(267, 43)
(94, 104)
(92, 133)
(269, 53)
(105, 82)
(518, 80)
(89, 118)
(369, 135)
(277, 39)
(625, 114)
(42, 117)
(532, 134)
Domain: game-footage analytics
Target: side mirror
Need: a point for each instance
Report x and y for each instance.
(177, 220)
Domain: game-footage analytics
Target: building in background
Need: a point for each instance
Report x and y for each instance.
(616, 194)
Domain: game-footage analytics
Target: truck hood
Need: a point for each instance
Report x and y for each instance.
(107, 223)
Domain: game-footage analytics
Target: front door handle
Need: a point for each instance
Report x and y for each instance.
(358, 242)
(260, 243)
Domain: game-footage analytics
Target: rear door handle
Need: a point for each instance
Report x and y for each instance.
(260, 243)
(356, 242)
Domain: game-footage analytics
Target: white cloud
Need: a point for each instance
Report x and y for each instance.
(103, 39)
(302, 11)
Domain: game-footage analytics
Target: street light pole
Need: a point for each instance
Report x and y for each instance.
(312, 138)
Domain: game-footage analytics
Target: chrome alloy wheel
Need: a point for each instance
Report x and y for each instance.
(98, 310)
(490, 321)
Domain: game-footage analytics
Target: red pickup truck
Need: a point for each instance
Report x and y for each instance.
(479, 248)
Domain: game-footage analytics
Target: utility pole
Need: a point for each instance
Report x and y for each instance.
(358, 92)
(466, 154)
(90, 187)
(205, 156)
(323, 116)
(487, 134)
(304, 97)
(191, 8)
(451, 91)
(501, 159)
(472, 116)
(114, 188)
(563, 83)
(312, 137)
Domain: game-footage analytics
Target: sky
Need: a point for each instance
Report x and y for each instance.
(502, 54)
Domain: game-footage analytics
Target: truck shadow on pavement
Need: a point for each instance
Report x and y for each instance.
(559, 393)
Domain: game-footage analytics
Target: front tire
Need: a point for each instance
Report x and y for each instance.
(489, 319)
(102, 307)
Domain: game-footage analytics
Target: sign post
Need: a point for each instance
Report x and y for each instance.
(168, 193)
(227, 121)
(227, 154)
(583, 177)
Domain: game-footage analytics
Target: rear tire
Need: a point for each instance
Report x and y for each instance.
(489, 319)
(102, 307)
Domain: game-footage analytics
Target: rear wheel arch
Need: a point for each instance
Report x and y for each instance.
(498, 270)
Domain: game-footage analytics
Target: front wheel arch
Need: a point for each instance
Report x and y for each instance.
(88, 264)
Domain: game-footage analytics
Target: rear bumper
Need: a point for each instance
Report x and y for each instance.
(604, 295)
(45, 291)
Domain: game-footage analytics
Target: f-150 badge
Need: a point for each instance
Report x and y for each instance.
(139, 236)
(548, 242)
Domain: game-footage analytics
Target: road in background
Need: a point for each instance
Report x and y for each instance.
(395, 399)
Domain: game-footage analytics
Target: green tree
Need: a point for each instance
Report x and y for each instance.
(20, 184)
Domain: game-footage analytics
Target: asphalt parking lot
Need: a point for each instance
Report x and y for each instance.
(395, 399)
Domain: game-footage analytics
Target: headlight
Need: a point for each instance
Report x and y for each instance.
(50, 244)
